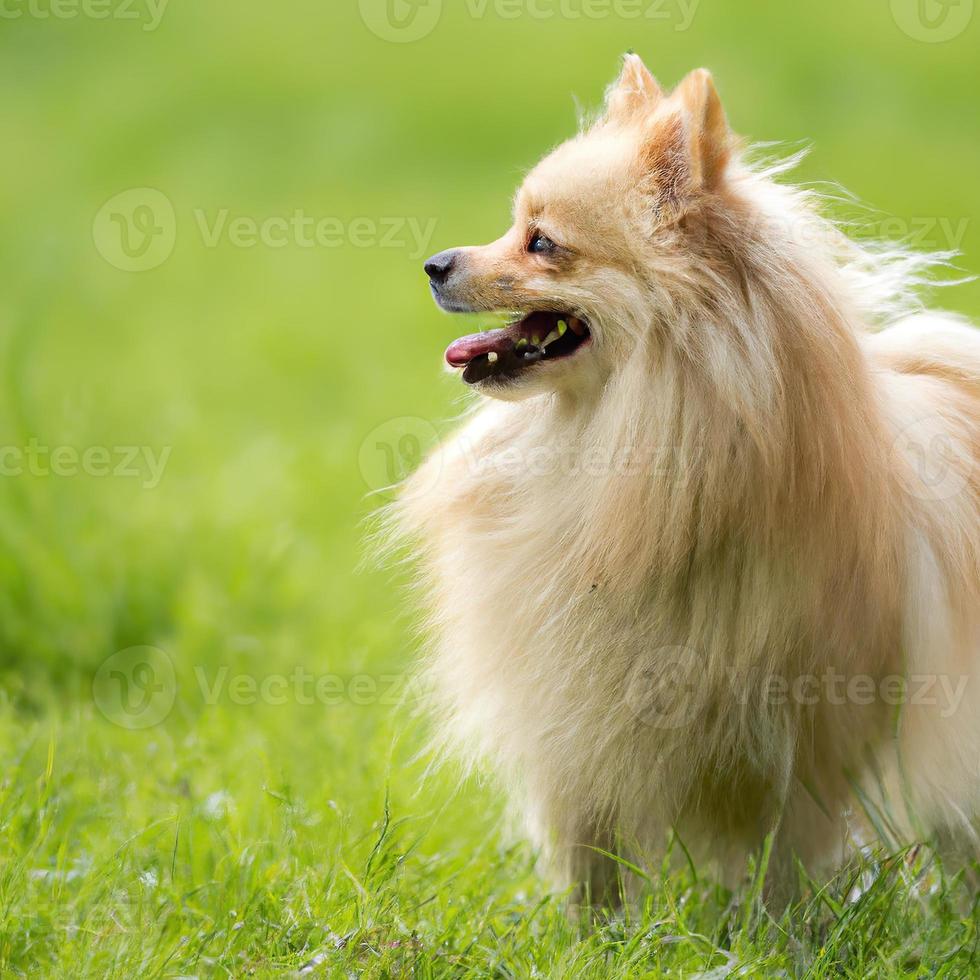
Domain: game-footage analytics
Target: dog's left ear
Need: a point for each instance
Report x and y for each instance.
(686, 144)
(708, 133)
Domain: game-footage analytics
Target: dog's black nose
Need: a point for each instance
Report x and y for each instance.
(439, 266)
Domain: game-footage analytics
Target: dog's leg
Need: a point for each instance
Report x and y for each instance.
(599, 881)
(812, 832)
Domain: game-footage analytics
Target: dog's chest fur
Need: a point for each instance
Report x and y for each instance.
(605, 631)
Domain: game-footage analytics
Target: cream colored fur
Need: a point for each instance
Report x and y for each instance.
(766, 465)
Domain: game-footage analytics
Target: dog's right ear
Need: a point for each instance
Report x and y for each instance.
(634, 94)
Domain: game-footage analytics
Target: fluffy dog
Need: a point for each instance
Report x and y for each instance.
(706, 556)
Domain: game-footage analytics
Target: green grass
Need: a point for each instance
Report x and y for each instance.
(236, 838)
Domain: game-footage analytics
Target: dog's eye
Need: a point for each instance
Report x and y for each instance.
(541, 244)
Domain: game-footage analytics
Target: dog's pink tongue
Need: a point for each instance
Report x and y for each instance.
(461, 352)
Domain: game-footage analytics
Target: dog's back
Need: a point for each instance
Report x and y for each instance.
(928, 370)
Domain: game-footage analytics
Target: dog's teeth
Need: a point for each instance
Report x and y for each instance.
(577, 325)
(522, 343)
(492, 357)
(536, 339)
(562, 327)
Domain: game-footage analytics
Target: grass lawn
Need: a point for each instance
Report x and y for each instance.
(204, 770)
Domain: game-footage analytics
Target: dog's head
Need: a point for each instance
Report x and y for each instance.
(606, 230)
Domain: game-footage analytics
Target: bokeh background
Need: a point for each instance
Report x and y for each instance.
(197, 407)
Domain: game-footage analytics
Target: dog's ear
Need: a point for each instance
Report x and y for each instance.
(708, 130)
(634, 94)
(687, 144)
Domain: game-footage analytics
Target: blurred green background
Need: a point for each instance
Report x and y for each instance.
(260, 374)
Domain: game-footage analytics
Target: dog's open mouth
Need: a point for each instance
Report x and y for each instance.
(504, 354)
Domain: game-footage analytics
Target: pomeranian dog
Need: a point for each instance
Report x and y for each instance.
(705, 558)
